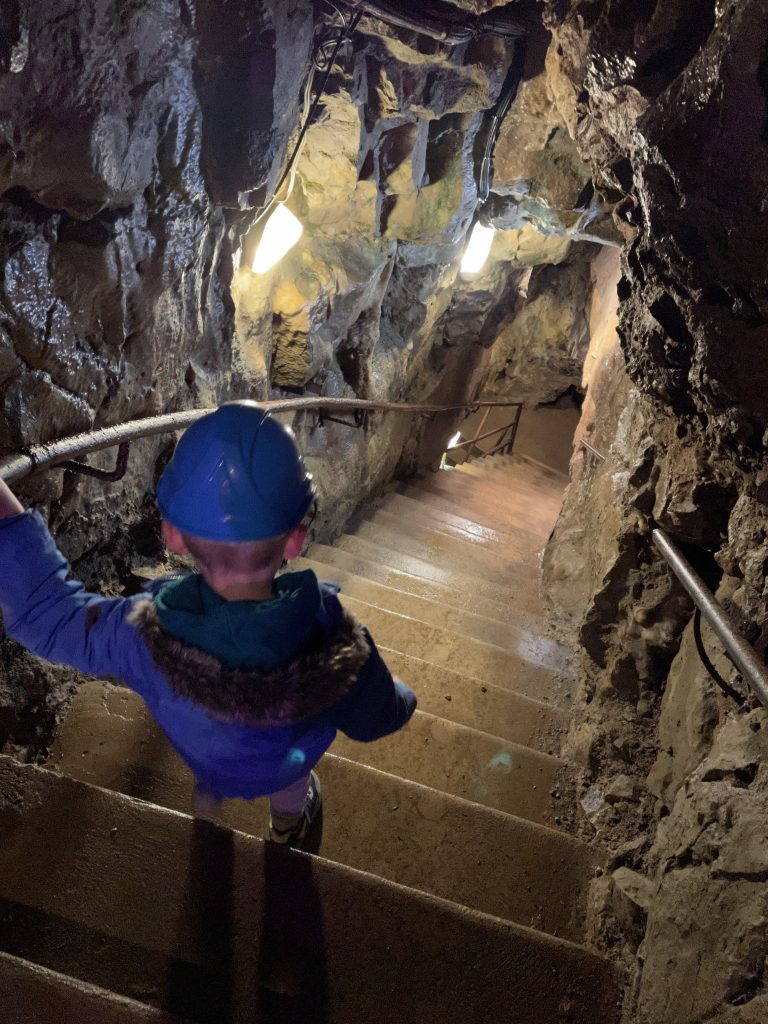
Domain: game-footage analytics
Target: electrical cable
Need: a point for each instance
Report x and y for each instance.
(289, 170)
(727, 689)
(504, 102)
(454, 34)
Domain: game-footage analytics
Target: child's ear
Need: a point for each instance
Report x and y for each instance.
(294, 542)
(173, 539)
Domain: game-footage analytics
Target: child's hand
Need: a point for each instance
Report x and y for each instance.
(9, 503)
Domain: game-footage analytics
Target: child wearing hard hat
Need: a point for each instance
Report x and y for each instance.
(249, 674)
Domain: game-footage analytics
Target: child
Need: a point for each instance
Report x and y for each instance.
(248, 675)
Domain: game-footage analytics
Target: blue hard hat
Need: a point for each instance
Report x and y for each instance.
(236, 475)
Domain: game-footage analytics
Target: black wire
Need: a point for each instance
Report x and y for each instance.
(435, 25)
(504, 102)
(345, 32)
(727, 689)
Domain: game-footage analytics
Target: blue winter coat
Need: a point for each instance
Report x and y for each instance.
(243, 733)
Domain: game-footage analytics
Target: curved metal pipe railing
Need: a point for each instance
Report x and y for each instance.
(742, 653)
(507, 432)
(54, 453)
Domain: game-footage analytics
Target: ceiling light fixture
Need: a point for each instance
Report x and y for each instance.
(478, 249)
(281, 232)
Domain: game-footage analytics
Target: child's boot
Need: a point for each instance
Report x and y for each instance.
(292, 832)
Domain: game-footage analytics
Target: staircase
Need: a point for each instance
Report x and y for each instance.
(444, 893)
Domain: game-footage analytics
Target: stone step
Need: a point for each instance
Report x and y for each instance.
(218, 926)
(532, 669)
(413, 538)
(504, 516)
(503, 484)
(476, 468)
(520, 484)
(491, 709)
(526, 500)
(461, 576)
(509, 513)
(30, 994)
(521, 467)
(373, 821)
(526, 463)
(432, 612)
(446, 591)
(466, 763)
(408, 510)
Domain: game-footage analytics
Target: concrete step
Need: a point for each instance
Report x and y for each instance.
(30, 994)
(459, 575)
(215, 925)
(522, 464)
(491, 709)
(528, 495)
(534, 668)
(470, 468)
(432, 612)
(373, 821)
(413, 538)
(509, 512)
(505, 516)
(408, 510)
(524, 497)
(466, 763)
(527, 464)
(522, 486)
(451, 591)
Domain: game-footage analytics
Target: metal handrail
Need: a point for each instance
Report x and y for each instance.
(505, 442)
(594, 451)
(53, 453)
(743, 654)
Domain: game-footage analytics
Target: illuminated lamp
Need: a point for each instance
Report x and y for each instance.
(478, 248)
(281, 232)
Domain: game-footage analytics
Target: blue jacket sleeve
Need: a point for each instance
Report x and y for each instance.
(375, 705)
(55, 617)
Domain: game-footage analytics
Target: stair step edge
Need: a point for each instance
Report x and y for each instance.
(372, 880)
(481, 809)
(112, 1008)
(469, 730)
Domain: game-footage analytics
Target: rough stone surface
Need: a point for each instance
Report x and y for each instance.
(539, 350)
(666, 101)
(657, 96)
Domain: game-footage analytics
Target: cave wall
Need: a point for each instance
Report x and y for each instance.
(667, 101)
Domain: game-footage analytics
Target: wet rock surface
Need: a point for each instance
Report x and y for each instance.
(666, 101)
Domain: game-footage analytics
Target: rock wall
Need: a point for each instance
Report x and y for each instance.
(667, 101)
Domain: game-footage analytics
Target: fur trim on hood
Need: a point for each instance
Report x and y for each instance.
(312, 681)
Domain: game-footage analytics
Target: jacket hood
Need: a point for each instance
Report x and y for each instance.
(254, 634)
(313, 680)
